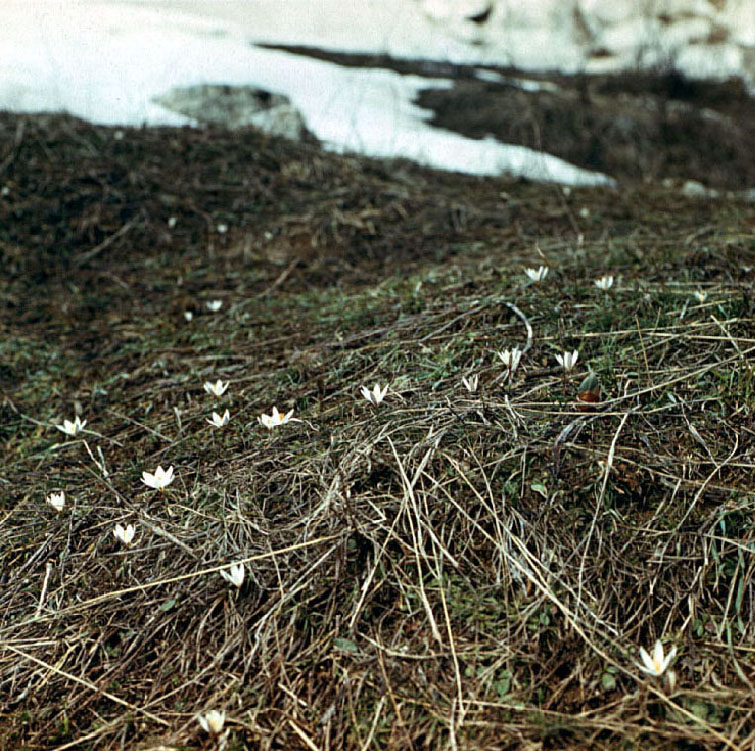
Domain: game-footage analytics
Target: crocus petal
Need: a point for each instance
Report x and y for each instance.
(658, 655)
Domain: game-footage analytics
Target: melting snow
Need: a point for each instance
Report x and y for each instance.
(114, 62)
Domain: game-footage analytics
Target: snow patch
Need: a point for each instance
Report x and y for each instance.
(114, 62)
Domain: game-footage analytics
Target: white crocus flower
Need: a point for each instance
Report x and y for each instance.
(218, 421)
(214, 305)
(605, 283)
(275, 419)
(658, 663)
(212, 722)
(188, 316)
(568, 360)
(537, 275)
(160, 480)
(125, 535)
(377, 394)
(216, 389)
(510, 358)
(57, 501)
(471, 383)
(72, 428)
(235, 575)
(700, 296)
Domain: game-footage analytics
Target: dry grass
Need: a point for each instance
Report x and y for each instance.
(446, 570)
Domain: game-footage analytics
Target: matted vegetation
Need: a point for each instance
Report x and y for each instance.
(446, 569)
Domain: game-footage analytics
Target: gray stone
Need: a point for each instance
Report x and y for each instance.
(236, 107)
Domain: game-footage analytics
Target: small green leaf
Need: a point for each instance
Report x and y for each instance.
(608, 682)
(538, 487)
(168, 605)
(699, 709)
(345, 644)
(503, 685)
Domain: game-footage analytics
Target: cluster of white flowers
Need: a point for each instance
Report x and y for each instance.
(213, 721)
(539, 274)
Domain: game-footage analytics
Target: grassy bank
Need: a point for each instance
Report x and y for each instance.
(448, 569)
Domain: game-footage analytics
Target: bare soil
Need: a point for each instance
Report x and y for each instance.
(634, 126)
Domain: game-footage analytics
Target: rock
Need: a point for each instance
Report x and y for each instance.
(237, 107)
(694, 189)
